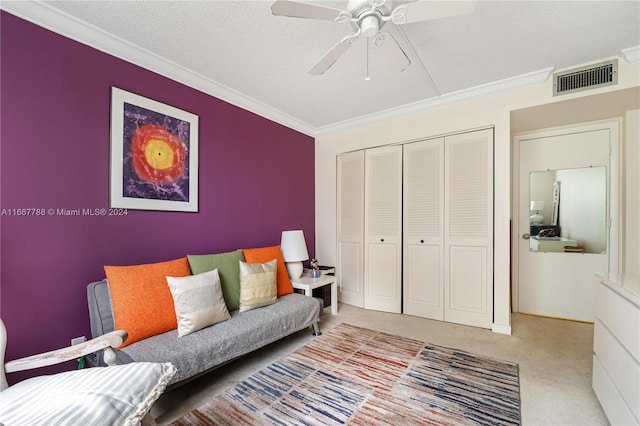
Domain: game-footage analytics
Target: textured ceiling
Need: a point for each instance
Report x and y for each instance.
(241, 46)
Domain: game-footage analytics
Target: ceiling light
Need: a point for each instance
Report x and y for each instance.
(369, 26)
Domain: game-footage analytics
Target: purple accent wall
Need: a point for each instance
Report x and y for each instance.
(256, 180)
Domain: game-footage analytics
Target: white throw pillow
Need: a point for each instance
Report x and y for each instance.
(198, 301)
(257, 285)
(118, 395)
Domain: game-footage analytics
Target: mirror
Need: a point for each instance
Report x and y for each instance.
(568, 210)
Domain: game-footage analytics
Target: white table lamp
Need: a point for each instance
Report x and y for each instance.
(537, 217)
(294, 251)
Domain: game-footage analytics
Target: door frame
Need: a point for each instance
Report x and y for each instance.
(613, 193)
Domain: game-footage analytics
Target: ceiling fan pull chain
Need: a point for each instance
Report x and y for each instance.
(367, 78)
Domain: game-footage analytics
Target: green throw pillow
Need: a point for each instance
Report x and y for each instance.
(228, 266)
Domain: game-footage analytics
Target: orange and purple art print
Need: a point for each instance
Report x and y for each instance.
(152, 155)
(155, 155)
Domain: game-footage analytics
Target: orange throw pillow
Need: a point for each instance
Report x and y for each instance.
(141, 299)
(265, 254)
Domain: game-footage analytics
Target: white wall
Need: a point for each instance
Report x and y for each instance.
(491, 111)
(631, 190)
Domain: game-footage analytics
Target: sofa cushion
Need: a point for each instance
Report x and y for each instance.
(142, 302)
(198, 301)
(214, 346)
(228, 270)
(257, 285)
(265, 254)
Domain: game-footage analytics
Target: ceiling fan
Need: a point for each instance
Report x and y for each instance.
(368, 17)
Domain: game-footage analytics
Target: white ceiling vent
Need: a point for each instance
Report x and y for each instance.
(589, 77)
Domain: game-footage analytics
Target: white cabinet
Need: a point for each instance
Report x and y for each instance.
(383, 229)
(350, 205)
(468, 225)
(448, 228)
(415, 228)
(616, 349)
(370, 229)
(423, 229)
(555, 244)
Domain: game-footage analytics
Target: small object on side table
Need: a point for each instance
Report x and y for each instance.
(315, 269)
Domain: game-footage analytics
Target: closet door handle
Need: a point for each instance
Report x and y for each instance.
(382, 240)
(421, 241)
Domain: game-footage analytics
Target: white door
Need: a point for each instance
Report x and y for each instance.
(423, 226)
(350, 206)
(383, 229)
(468, 228)
(551, 282)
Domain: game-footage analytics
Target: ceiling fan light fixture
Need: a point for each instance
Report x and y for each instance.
(369, 26)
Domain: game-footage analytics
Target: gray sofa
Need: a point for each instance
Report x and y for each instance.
(213, 346)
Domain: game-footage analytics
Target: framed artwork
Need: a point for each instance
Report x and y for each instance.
(154, 155)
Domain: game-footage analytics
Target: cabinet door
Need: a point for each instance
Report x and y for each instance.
(468, 239)
(350, 205)
(423, 200)
(383, 229)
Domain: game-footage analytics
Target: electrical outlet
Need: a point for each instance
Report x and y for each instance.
(78, 340)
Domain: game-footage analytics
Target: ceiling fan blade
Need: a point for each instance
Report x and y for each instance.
(333, 55)
(391, 52)
(423, 10)
(304, 10)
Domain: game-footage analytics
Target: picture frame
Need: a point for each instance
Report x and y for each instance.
(153, 155)
(555, 219)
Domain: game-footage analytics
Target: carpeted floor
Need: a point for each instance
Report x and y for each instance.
(357, 376)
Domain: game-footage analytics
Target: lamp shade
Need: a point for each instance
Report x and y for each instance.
(293, 246)
(537, 205)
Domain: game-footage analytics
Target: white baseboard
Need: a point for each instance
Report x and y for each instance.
(501, 328)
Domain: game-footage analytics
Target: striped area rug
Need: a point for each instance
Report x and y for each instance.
(352, 375)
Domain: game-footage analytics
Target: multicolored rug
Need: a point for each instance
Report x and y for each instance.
(352, 375)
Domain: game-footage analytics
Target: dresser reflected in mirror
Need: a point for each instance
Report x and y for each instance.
(568, 210)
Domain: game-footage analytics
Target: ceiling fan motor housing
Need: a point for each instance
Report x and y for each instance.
(368, 16)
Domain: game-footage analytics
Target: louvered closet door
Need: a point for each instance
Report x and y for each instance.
(383, 229)
(350, 205)
(468, 236)
(423, 225)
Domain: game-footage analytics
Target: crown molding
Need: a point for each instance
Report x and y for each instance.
(68, 26)
(631, 55)
(507, 85)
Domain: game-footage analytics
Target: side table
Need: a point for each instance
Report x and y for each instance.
(306, 283)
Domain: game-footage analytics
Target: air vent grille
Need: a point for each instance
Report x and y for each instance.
(598, 75)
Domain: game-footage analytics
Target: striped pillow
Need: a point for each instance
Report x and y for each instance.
(116, 395)
(257, 285)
